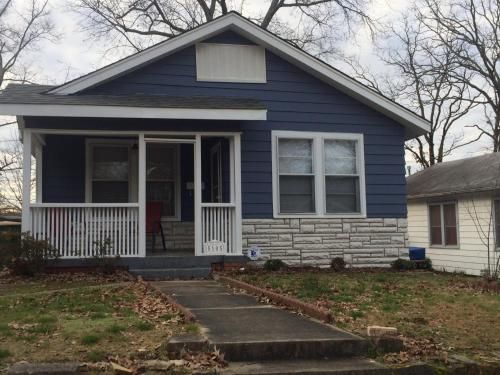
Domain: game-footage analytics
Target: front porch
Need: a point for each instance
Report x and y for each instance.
(143, 194)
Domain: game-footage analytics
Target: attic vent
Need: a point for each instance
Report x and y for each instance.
(230, 63)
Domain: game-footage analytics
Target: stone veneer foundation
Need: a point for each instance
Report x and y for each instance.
(361, 242)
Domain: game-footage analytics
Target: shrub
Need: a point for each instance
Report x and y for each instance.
(403, 264)
(106, 263)
(425, 264)
(24, 255)
(274, 265)
(338, 264)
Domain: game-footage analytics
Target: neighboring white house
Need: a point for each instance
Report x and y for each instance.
(454, 212)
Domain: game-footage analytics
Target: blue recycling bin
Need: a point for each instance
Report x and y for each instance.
(417, 253)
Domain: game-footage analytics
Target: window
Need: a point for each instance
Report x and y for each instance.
(443, 224)
(318, 174)
(496, 207)
(162, 177)
(110, 174)
(230, 63)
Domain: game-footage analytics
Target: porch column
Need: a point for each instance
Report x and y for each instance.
(25, 216)
(141, 191)
(237, 193)
(198, 243)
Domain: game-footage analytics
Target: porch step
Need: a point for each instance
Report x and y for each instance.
(172, 273)
(160, 261)
(349, 366)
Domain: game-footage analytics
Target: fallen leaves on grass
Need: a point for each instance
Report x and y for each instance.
(417, 349)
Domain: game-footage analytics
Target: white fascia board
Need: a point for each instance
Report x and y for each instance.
(58, 110)
(415, 124)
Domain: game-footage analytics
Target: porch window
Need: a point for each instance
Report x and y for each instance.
(110, 174)
(318, 174)
(443, 224)
(162, 177)
(496, 207)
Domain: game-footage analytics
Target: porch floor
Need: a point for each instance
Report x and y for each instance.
(170, 253)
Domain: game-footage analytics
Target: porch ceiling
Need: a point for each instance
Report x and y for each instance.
(32, 100)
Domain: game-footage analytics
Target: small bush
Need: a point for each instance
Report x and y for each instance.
(425, 264)
(24, 255)
(338, 264)
(106, 262)
(403, 265)
(274, 265)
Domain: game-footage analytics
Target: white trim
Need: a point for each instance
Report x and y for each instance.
(26, 193)
(61, 110)
(318, 139)
(415, 124)
(84, 205)
(127, 133)
(441, 205)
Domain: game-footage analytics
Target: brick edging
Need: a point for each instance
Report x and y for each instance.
(188, 315)
(290, 302)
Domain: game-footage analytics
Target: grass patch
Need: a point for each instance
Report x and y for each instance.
(4, 353)
(192, 328)
(90, 339)
(440, 308)
(84, 323)
(144, 326)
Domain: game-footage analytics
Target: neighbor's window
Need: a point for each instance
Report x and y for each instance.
(443, 224)
(496, 204)
(318, 173)
(161, 176)
(110, 174)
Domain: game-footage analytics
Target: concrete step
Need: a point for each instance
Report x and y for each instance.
(159, 261)
(172, 273)
(272, 350)
(351, 366)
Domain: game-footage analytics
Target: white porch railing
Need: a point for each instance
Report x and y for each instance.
(75, 228)
(218, 228)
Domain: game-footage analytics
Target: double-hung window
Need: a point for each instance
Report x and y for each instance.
(443, 224)
(496, 207)
(318, 174)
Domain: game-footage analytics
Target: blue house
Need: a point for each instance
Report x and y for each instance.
(220, 140)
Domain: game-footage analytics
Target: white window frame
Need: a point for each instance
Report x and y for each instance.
(495, 201)
(133, 166)
(443, 229)
(178, 182)
(318, 139)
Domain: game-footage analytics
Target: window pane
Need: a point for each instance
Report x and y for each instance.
(295, 156)
(435, 223)
(297, 194)
(340, 157)
(450, 224)
(160, 162)
(110, 192)
(342, 195)
(110, 163)
(162, 192)
(497, 222)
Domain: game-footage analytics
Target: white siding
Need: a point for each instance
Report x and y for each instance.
(471, 254)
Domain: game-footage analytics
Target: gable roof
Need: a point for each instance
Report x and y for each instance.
(415, 125)
(480, 173)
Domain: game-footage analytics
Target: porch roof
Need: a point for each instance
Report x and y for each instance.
(33, 100)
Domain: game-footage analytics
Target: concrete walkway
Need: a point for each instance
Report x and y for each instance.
(247, 330)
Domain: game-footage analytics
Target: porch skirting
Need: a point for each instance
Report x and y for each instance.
(179, 235)
(361, 242)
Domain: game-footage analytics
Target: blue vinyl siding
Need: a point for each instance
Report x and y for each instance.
(295, 101)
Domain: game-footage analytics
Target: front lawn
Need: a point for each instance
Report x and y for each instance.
(437, 313)
(88, 319)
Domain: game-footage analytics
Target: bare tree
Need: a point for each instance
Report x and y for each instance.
(140, 23)
(420, 78)
(485, 227)
(469, 31)
(23, 25)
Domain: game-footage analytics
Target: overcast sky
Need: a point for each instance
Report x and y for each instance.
(76, 54)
